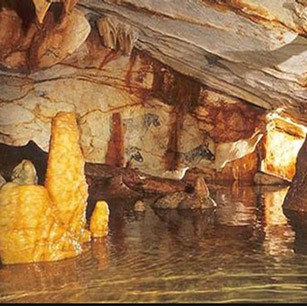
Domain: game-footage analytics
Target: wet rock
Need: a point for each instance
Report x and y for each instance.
(11, 156)
(170, 201)
(99, 220)
(199, 199)
(196, 202)
(262, 178)
(296, 198)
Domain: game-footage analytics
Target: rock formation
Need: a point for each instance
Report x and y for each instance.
(47, 223)
(157, 85)
(24, 173)
(99, 220)
(296, 198)
(198, 199)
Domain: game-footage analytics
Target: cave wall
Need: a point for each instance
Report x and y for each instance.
(125, 103)
(140, 107)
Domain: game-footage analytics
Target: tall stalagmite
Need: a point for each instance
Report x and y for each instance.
(65, 178)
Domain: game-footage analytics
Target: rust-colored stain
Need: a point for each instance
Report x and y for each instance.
(128, 76)
(181, 92)
(112, 55)
(115, 154)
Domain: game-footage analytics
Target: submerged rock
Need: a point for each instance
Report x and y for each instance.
(199, 199)
(262, 178)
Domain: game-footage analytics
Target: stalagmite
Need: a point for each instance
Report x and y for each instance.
(99, 220)
(65, 179)
(40, 223)
(30, 231)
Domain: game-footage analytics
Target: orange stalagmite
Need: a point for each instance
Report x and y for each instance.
(99, 220)
(29, 229)
(40, 223)
(65, 178)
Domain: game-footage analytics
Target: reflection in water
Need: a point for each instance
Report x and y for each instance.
(298, 222)
(187, 223)
(29, 282)
(236, 207)
(244, 250)
(278, 233)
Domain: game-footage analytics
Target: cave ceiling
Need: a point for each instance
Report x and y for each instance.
(251, 49)
(254, 50)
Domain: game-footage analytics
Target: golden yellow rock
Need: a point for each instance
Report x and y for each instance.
(40, 223)
(99, 220)
(29, 229)
(65, 178)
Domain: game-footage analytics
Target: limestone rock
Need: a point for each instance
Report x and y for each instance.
(24, 173)
(116, 34)
(248, 49)
(199, 199)
(268, 179)
(281, 145)
(11, 24)
(41, 8)
(201, 188)
(57, 42)
(69, 5)
(296, 198)
(170, 201)
(226, 152)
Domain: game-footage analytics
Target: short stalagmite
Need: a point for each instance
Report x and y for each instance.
(99, 220)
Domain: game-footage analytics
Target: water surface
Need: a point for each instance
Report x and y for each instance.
(245, 250)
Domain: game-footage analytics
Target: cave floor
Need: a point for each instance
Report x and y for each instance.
(245, 250)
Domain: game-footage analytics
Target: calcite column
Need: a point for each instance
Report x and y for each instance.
(65, 178)
(296, 198)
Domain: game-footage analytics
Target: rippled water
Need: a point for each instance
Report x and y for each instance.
(243, 251)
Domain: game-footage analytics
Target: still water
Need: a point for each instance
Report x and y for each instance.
(245, 250)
